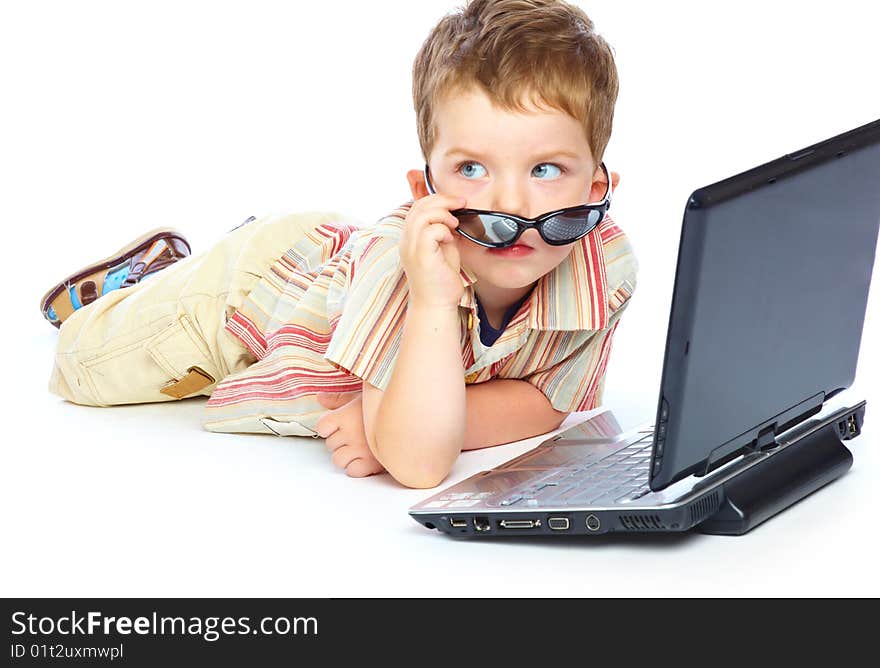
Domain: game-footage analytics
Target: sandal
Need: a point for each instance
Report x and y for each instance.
(142, 257)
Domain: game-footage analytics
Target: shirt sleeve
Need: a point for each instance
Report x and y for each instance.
(369, 315)
(576, 383)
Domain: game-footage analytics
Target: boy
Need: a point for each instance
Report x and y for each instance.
(426, 334)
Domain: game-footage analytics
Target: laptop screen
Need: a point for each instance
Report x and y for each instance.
(769, 301)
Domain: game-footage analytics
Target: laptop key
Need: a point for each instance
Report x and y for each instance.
(544, 485)
(600, 497)
(555, 493)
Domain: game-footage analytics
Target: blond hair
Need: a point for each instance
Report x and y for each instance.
(541, 51)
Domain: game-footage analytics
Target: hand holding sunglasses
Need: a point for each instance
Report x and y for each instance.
(495, 229)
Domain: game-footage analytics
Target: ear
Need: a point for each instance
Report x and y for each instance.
(597, 191)
(417, 187)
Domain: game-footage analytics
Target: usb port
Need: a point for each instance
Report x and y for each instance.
(458, 523)
(853, 426)
(848, 428)
(559, 523)
(517, 524)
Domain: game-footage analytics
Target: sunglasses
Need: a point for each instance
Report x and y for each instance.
(495, 229)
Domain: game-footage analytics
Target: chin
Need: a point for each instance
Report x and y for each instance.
(512, 277)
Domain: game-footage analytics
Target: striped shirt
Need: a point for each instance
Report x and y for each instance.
(329, 315)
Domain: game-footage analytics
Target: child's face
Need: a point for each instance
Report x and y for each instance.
(525, 164)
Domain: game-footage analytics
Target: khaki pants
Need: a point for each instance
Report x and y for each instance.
(126, 346)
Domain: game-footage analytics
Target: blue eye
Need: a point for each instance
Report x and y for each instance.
(468, 173)
(470, 170)
(548, 164)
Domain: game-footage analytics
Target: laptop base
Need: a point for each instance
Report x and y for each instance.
(730, 501)
(780, 481)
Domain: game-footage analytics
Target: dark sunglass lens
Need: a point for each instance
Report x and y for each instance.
(488, 228)
(572, 225)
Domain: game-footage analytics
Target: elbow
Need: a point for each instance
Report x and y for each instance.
(418, 475)
(420, 471)
(556, 418)
(417, 482)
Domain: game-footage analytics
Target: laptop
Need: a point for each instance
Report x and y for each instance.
(771, 287)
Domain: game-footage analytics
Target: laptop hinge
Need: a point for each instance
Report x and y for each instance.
(766, 439)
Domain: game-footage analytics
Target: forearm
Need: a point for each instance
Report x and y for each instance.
(507, 410)
(421, 421)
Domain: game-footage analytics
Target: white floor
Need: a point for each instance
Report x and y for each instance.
(140, 501)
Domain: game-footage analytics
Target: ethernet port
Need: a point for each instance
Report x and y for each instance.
(482, 524)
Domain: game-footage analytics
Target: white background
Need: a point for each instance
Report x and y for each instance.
(118, 117)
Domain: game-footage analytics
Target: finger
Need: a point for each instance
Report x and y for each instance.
(336, 441)
(435, 236)
(446, 202)
(440, 215)
(427, 237)
(332, 400)
(361, 467)
(326, 425)
(451, 255)
(343, 456)
(416, 225)
(432, 244)
(418, 220)
(424, 242)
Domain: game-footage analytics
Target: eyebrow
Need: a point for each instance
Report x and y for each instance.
(544, 155)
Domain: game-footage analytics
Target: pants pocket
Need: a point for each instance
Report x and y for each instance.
(179, 350)
(136, 370)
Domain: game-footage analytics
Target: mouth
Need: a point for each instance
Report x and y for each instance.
(515, 250)
(516, 245)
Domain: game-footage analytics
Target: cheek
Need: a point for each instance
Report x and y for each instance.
(557, 255)
(468, 251)
(471, 255)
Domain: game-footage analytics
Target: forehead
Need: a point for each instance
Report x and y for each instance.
(470, 120)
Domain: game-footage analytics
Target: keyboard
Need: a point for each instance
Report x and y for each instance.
(615, 477)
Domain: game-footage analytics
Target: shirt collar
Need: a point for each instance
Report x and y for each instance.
(467, 280)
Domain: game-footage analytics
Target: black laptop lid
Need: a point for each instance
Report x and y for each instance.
(769, 301)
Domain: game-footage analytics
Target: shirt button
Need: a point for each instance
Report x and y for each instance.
(471, 377)
(470, 321)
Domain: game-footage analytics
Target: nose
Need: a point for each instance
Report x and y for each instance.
(510, 196)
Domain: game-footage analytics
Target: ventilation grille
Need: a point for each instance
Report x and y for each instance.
(703, 508)
(641, 522)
